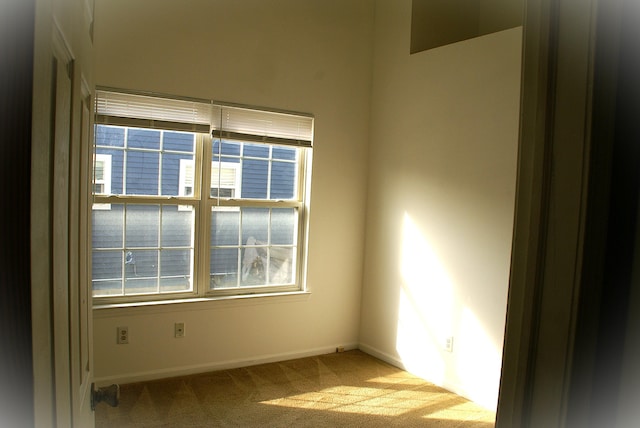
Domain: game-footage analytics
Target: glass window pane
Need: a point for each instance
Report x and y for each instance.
(254, 262)
(179, 141)
(228, 148)
(284, 153)
(174, 284)
(107, 265)
(142, 225)
(171, 173)
(254, 178)
(175, 262)
(141, 286)
(105, 288)
(283, 226)
(117, 161)
(224, 267)
(256, 150)
(283, 180)
(280, 265)
(255, 226)
(143, 139)
(225, 226)
(142, 173)
(107, 226)
(177, 226)
(141, 264)
(109, 136)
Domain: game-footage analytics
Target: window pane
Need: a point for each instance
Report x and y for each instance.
(142, 173)
(225, 227)
(179, 141)
(254, 178)
(283, 180)
(142, 225)
(109, 136)
(107, 265)
(284, 153)
(255, 226)
(280, 265)
(256, 151)
(98, 172)
(224, 267)
(117, 161)
(171, 164)
(107, 226)
(102, 288)
(143, 139)
(283, 226)
(254, 263)
(177, 227)
(175, 271)
(176, 263)
(174, 284)
(228, 148)
(141, 264)
(141, 286)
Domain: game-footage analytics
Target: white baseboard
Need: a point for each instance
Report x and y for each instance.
(387, 358)
(214, 366)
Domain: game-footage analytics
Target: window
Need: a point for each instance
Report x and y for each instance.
(102, 178)
(102, 174)
(186, 209)
(225, 179)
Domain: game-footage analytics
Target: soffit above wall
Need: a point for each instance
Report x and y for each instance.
(437, 23)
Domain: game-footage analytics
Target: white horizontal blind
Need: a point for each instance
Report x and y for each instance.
(262, 126)
(225, 121)
(128, 109)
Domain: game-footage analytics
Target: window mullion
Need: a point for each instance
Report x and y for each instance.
(124, 249)
(125, 156)
(202, 175)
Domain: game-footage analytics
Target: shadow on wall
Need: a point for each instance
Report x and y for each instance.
(431, 316)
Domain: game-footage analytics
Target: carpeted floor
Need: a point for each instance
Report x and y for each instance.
(350, 389)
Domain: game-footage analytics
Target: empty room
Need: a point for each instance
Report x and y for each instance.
(399, 229)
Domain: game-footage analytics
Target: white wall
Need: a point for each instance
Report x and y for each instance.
(444, 132)
(311, 56)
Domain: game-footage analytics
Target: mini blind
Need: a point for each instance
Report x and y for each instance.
(129, 109)
(239, 123)
(224, 121)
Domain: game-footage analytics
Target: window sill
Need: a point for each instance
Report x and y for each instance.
(199, 303)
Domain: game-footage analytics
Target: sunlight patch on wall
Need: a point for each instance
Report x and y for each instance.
(426, 305)
(478, 361)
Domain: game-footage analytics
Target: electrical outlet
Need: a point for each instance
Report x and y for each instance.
(179, 329)
(448, 344)
(123, 335)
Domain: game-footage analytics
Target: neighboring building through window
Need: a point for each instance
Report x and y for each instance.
(162, 221)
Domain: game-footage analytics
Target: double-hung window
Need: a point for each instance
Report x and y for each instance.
(197, 199)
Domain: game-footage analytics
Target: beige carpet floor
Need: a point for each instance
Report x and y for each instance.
(350, 389)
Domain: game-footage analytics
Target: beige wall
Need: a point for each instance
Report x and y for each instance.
(312, 56)
(442, 168)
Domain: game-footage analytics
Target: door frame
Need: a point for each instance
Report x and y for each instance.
(570, 50)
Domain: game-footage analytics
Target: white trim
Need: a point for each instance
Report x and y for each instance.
(223, 365)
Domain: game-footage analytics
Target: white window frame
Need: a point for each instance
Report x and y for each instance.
(202, 203)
